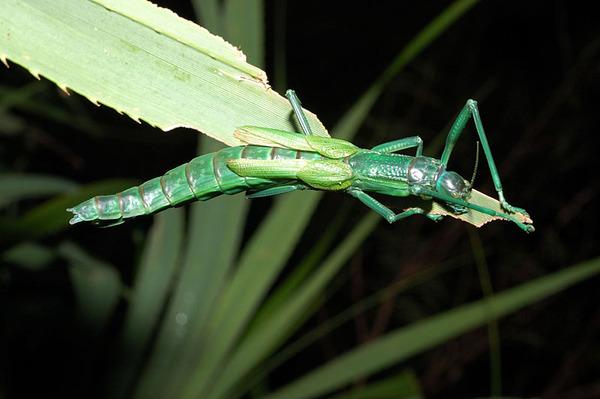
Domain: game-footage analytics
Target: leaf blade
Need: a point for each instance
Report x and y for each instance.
(115, 58)
(402, 343)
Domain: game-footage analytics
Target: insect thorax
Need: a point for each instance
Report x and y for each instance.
(424, 172)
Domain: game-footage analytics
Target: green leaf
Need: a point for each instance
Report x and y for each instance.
(332, 323)
(29, 255)
(272, 332)
(402, 386)
(96, 284)
(210, 251)
(208, 258)
(405, 342)
(144, 61)
(18, 186)
(244, 27)
(149, 296)
(259, 266)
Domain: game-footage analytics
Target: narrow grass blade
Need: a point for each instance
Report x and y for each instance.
(96, 284)
(348, 125)
(18, 186)
(332, 323)
(210, 250)
(279, 46)
(405, 342)
(258, 268)
(210, 14)
(299, 274)
(29, 255)
(209, 254)
(487, 289)
(244, 27)
(149, 295)
(402, 386)
(13, 96)
(144, 61)
(272, 332)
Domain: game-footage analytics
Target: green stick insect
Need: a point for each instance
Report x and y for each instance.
(274, 162)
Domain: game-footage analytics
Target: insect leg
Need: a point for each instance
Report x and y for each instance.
(384, 211)
(470, 110)
(297, 107)
(268, 192)
(401, 144)
(528, 228)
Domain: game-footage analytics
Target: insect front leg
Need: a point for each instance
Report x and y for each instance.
(470, 110)
(386, 212)
(277, 190)
(401, 144)
(528, 228)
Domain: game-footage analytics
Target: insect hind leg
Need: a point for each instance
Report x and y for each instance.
(300, 115)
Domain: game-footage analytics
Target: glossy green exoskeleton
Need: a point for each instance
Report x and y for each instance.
(275, 162)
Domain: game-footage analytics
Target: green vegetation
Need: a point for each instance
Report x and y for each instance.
(205, 312)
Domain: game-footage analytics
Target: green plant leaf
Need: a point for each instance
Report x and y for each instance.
(96, 284)
(210, 251)
(144, 61)
(402, 386)
(419, 336)
(273, 331)
(208, 257)
(149, 295)
(18, 186)
(258, 268)
(29, 255)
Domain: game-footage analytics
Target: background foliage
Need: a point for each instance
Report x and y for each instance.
(271, 305)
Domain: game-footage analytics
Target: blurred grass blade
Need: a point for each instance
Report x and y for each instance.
(348, 124)
(149, 295)
(19, 186)
(207, 260)
(51, 216)
(332, 323)
(402, 343)
(300, 272)
(402, 386)
(13, 96)
(210, 15)
(29, 255)
(96, 284)
(279, 46)
(144, 61)
(258, 268)
(210, 251)
(273, 331)
(244, 27)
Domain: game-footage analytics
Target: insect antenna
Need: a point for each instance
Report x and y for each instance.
(476, 165)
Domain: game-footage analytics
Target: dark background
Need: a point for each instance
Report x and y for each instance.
(534, 68)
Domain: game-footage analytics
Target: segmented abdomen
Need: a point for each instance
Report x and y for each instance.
(203, 178)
